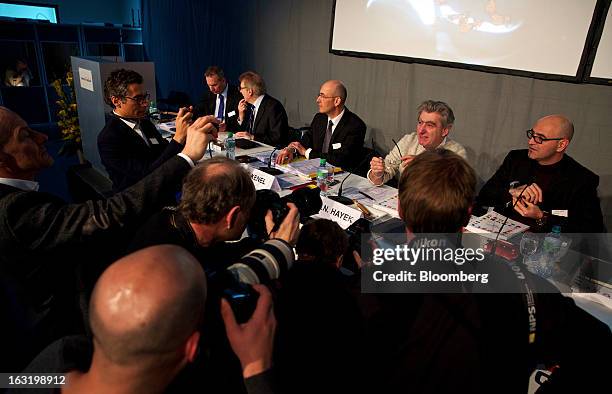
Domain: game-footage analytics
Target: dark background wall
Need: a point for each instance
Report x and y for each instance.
(183, 37)
(111, 11)
(287, 41)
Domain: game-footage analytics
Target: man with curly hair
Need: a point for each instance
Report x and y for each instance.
(130, 146)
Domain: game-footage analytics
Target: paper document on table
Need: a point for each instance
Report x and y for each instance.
(262, 156)
(389, 205)
(379, 193)
(489, 224)
(168, 126)
(308, 168)
(289, 180)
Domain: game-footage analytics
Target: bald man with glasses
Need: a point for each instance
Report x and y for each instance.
(335, 133)
(543, 186)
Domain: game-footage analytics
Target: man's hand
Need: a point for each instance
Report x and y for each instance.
(298, 147)
(406, 160)
(242, 108)
(252, 341)
(285, 156)
(289, 229)
(183, 120)
(532, 193)
(245, 134)
(377, 170)
(527, 209)
(199, 134)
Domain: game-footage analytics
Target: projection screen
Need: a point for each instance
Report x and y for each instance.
(543, 36)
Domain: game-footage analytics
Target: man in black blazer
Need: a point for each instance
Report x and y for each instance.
(335, 134)
(130, 146)
(555, 188)
(44, 240)
(221, 99)
(261, 116)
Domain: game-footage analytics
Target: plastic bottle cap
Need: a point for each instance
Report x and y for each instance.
(230, 134)
(322, 162)
(556, 229)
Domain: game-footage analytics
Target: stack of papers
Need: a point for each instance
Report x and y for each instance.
(308, 168)
(489, 225)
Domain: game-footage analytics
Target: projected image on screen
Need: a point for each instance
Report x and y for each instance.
(544, 36)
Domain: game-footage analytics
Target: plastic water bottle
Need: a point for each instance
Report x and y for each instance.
(322, 181)
(552, 242)
(230, 146)
(153, 112)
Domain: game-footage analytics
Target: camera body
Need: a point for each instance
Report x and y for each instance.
(308, 202)
(260, 266)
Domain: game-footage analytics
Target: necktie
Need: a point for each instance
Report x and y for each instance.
(251, 118)
(221, 113)
(141, 130)
(328, 135)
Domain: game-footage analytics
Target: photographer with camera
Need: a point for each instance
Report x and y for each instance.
(217, 201)
(320, 324)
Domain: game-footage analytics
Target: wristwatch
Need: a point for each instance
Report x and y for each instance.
(542, 221)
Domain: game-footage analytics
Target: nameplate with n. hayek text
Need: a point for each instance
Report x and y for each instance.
(342, 214)
(262, 181)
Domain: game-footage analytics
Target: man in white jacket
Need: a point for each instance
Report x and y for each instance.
(436, 120)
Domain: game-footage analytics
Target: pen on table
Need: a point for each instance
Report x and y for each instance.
(362, 208)
(363, 194)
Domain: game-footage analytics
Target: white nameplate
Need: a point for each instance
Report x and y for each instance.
(86, 79)
(560, 212)
(342, 214)
(262, 180)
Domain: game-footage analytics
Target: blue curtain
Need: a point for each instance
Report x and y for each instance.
(183, 37)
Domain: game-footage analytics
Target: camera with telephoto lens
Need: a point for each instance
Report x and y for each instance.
(260, 266)
(308, 202)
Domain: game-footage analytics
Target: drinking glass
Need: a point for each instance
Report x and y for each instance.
(529, 245)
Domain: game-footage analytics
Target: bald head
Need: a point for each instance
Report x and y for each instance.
(558, 125)
(147, 304)
(335, 88)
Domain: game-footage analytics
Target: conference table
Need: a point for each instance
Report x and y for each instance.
(596, 300)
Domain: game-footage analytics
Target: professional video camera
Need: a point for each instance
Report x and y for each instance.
(308, 202)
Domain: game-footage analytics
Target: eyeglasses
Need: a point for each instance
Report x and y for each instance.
(540, 139)
(322, 96)
(243, 87)
(140, 99)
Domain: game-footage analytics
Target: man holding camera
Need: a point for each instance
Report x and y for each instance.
(218, 197)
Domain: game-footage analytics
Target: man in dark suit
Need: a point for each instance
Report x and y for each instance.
(335, 134)
(130, 146)
(221, 99)
(555, 188)
(43, 239)
(261, 116)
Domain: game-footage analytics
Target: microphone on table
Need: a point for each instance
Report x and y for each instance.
(268, 169)
(340, 198)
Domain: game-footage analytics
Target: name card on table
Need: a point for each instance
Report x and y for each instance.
(262, 180)
(342, 214)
